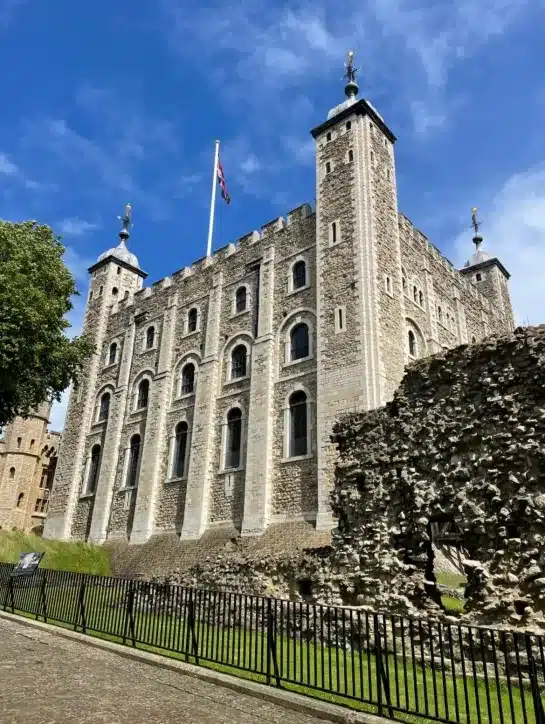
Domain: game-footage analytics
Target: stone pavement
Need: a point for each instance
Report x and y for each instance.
(47, 679)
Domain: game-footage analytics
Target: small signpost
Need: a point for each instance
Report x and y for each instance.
(28, 563)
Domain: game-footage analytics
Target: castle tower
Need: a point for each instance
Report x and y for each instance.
(115, 276)
(490, 276)
(360, 313)
(20, 457)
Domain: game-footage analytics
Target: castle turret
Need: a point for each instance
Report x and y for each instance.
(490, 276)
(360, 304)
(115, 276)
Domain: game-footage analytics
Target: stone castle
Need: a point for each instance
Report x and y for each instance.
(211, 398)
(28, 458)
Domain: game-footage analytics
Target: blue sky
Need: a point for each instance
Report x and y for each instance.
(109, 102)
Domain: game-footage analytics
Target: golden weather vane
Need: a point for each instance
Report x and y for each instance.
(474, 223)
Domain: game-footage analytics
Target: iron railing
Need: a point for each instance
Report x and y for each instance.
(405, 669)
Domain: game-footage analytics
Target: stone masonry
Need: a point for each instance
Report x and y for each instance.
(28, 458)
(372, 293)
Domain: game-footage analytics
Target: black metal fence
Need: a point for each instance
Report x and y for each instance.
(405, 669)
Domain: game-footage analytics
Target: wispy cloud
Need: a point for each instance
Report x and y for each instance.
(279, 47)
(7, 167)
(75, 227)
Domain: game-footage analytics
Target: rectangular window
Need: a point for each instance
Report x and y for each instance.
(340, 319)
(328, 167)
(350, 155)
(334, 232)
(299, 430)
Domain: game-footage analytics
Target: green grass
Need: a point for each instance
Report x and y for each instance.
(58, 555)
(345, 672)
(452, 580)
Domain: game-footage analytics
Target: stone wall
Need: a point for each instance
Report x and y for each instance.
(28, 457)
(462, 441)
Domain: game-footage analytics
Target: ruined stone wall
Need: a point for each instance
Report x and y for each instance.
(462, 441)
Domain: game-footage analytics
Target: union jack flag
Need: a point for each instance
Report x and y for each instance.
(221, 180)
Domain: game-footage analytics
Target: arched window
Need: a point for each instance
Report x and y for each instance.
(240, 300)
(440, 314)
(115, 290)
(134, 462)
(143, 395)
(421, 299)
(234, 439)
(192, 320)
(180, 450)
(473, 340)
(238, 362)
(150, 337)
(112, 355)
(104, 410)
(299, 273)
(298, 431)
(188, 378)
(20, 499)
(412, 343)
(299, 339)
(415, 294)
(94, 465)
(12, 472)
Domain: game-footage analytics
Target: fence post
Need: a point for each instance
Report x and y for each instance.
(82, 604)
(534, 684)
(271, 645)
(383, 682)
(191, 627)
(129, 616)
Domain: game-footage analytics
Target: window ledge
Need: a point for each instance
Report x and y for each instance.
(190, 334)
(299, 289)
(172, 481)
(297, 361)
(240, 314)
(184, 396)
(109, 365)
(87, 496)
(296, 458)
(99, 423)
(37, 514)
(141, 411)
(228, 471)
(237, 379)
(127, 490)
(149, 349)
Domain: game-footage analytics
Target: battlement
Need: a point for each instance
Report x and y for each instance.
(423, 244)
(269, 233)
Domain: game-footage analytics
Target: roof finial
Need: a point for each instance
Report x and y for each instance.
(477, 238)
(351, 88)
(126, 221)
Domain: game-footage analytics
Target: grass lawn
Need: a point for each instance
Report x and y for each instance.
(304, 667)
(58, 555)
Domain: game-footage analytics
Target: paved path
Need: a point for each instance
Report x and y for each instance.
(47, 679)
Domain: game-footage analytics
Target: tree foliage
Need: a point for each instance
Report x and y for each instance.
(37, 360)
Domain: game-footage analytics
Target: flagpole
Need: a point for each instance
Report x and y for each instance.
(213, 201)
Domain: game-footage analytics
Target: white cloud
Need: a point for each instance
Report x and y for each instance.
(278, 48)
(514, 231)
(7, 167)
(75, 227)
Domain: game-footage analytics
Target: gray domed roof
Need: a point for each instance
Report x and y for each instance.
(122, 253)
(478, 257)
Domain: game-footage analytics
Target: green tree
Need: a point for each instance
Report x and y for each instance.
(37, 360)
